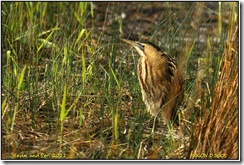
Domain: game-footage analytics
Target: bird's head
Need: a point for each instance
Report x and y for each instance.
(145, 49)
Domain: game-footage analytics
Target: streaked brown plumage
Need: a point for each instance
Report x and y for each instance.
(160, 80)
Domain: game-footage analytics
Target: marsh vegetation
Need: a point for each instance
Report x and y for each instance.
(70, 89)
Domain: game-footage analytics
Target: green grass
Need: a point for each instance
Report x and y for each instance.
(70, 88)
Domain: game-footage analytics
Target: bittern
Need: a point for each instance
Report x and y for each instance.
(160, 80)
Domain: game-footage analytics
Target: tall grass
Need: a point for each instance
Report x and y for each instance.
(215, 135)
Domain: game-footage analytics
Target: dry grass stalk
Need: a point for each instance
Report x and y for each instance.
(216, 135)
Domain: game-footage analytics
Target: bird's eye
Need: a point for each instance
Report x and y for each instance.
(140, 46)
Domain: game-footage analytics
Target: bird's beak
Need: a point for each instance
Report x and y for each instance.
(136, 45)
(132, 43)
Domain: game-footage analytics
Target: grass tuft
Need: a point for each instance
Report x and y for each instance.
(215, 134)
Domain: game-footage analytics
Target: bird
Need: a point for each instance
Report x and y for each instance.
(161, 81)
